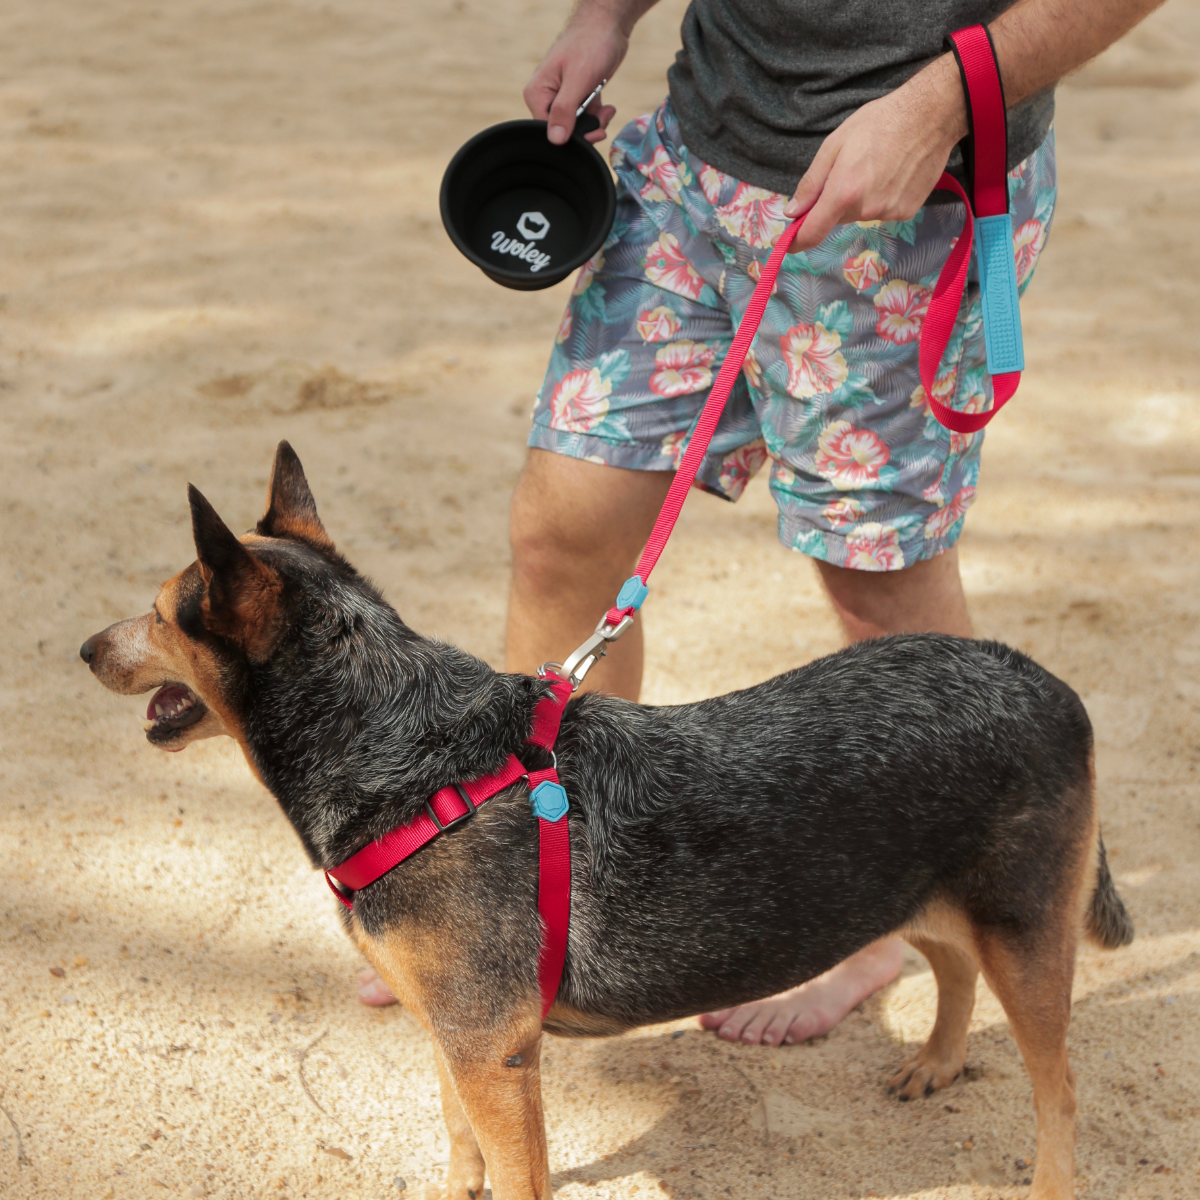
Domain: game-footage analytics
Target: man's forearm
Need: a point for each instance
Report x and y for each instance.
(1040, 41)
(882, 162)
(625, 14)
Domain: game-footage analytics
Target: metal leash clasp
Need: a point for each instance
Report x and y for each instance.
(581, 660)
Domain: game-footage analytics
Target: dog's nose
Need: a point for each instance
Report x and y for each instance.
(88, 651)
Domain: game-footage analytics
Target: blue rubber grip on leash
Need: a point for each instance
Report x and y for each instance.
(633, 593)
(1000, 299)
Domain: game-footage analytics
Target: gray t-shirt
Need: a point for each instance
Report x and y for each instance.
(759, 83)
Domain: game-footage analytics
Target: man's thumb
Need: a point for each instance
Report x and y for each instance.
(561, 119)
(805, 196)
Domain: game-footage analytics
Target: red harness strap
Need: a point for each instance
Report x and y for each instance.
(549, 800)
(452, 805)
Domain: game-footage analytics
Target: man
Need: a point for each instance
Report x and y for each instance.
(854, 109)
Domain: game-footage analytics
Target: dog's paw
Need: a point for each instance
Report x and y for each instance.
(439, 1191)
(454, 1189)
(923, 1075)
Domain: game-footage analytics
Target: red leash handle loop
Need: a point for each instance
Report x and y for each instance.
(940, 318)
(988, 144)
(987, 118)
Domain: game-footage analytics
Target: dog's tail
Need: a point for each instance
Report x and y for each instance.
(1108, 921)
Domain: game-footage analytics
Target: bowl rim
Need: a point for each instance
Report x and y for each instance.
(506, 274)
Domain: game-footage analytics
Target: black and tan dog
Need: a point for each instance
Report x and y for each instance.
(721, 851)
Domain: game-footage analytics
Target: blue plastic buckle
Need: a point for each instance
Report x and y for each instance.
(549, 801)
(999, 295)
(633, 593)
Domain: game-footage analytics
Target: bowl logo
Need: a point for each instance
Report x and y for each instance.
(532, 226)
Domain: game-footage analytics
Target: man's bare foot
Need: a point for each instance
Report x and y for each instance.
(373, 991)
(815, 1007)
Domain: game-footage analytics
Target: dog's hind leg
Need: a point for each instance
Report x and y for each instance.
(938, 1063)
(464, 1175)
(1033, 983)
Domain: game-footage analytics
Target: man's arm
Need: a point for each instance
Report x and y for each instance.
(590, 49)
(883, 161)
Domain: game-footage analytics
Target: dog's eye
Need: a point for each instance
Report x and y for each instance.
(158, 617)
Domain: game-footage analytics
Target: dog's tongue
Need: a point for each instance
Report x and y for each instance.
(165, 700)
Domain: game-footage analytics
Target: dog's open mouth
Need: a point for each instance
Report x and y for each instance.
(172, 708)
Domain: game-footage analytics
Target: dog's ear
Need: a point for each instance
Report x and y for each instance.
(243, 596)
(291, 509)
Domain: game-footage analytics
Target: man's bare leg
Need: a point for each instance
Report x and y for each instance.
(577, 529)
(925, 598)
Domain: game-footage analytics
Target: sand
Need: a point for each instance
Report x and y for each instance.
(219, 228)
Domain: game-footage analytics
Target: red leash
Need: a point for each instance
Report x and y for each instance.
(1002, 328)
(1002, 331)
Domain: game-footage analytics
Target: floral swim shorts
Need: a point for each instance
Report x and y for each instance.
(862, 474)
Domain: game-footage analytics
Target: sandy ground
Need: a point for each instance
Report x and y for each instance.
(219, 227)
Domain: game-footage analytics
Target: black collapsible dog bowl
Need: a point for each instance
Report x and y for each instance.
(526, 212)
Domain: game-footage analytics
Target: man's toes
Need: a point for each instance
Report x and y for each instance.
(777, 1027)
(714, 1020)
(759, 1018)
(811, 1022)
(373, 991)
(737, 1020)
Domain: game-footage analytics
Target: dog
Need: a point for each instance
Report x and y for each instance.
(931, 786)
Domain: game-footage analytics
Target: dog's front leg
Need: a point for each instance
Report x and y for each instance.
(493, 1077)
(464, 1175)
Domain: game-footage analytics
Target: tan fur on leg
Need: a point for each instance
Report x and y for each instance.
(490, 1073)
(1032, 979)
(1035, 990)
(464, 1175)
(497, 1079)
(938, 1063)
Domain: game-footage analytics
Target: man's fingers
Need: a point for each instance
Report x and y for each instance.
(538, 100)
(560, 120)
(576, 86)
(813, 182)
(834, 206)
(541, 89)
(603, 114)
(807, 191)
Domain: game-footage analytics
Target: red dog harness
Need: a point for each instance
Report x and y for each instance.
(452, 805)
(1002, 334)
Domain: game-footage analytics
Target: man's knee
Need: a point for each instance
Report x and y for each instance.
(576, 517)
(924, 598)
(545, 530)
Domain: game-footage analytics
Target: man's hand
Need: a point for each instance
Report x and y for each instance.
(590, 49)
(882, 162)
